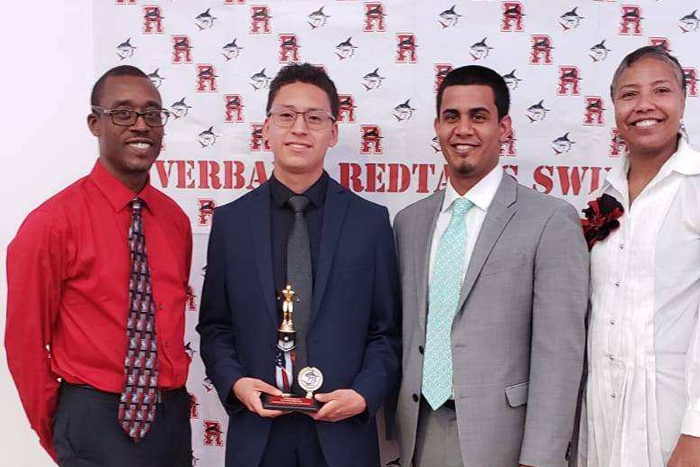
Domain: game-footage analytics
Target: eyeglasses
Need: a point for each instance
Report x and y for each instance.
(315, 119)
(125, 117)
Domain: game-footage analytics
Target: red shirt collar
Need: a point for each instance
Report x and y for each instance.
(118, 194)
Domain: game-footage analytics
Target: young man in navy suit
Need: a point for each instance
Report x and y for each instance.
(349, 329)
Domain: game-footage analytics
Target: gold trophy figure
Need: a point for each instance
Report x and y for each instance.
(286, 335)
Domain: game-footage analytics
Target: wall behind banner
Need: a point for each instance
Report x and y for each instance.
(213, 61)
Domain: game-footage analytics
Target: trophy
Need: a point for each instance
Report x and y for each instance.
(309, 379)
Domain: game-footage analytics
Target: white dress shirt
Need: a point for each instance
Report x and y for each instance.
(644, 340)
(481, 196)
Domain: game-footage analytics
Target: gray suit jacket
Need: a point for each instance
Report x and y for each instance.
(518, 338)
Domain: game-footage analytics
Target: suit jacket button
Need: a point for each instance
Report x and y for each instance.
(420, 349)
(415, 398)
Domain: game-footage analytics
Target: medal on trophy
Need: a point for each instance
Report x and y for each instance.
(309, 379)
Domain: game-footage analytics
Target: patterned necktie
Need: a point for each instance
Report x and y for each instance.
(445, 286)
(137, 406)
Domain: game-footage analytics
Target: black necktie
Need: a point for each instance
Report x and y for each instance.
(299, 277)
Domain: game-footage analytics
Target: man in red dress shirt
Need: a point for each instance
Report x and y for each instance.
(97, 283)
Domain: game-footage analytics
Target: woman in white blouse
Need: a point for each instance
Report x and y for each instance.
(642, 404)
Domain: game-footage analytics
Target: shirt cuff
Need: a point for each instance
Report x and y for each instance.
(691, 423)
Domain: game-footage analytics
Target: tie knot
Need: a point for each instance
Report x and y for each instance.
(136, 204)
(298, 203)
(460, 206)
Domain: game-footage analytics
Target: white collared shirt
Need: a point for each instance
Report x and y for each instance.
(644, 339)
(481, 196)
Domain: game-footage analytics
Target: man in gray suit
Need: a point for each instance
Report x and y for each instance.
(495, 291)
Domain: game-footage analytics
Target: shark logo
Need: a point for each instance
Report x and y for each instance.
(569, 81)
(373, 80)
(480, 50)
(371, 140)
(231, 50)
(594, 111)
(289, 48)
(537, 112)
(374, 17)
(599, 52)
(260, 20)
(256, 138)
(205, 20)
(691, 81)
(182, 50)
(631, 21)
(155, 78)
(180, 109)
(508, 146)
(190, 351)
(435, 144)
(346, 108)
(449, 18)
(207, 138)
(562, 144)
(406, 48)
(233, 108)
(441, 70)
(345, 49)
(194, 406)
(206, 78)
(208, 385)
(570, 19)
(152, 20)
(689, 23)
(618, 145)
(403, 111)
(661, 42)
(512, 17)
(206, 211)
(125, 49)
(541, 50)
(318, 19)
(212, 433)
(511, 80)
(260, 80)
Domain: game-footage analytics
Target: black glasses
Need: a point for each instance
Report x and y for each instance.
(125, 117)
(315, 119)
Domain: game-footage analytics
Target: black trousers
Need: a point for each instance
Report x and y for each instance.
(293, 442)
(87, 432)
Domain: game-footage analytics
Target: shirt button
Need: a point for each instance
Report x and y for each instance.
(160, 306)
(167, 343)
(617, 284)
(415, 398)
(610, 356)
(612, 321)
(421, 349)
(622, 246)
(613, 395)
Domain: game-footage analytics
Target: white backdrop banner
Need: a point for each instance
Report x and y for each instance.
(213, 61)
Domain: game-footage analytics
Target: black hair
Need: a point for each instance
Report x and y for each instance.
(650, 51)
(121, 70)
(480, 75)
(304, 73)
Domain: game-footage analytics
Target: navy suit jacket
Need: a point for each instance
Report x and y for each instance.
(353, 335)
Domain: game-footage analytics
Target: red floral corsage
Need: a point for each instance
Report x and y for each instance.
(601, 218)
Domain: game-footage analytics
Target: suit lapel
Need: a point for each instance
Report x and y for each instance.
(501, 211)
(333, 216)
(259, 210)
(425, 227)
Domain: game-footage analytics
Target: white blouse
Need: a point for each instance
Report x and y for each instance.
(644, 340)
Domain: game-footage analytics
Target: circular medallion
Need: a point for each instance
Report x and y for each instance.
(310, 378)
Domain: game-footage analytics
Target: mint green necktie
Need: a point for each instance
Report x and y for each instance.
(445, 285)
